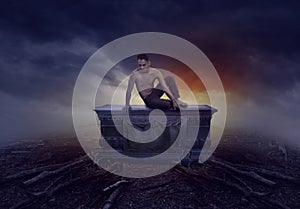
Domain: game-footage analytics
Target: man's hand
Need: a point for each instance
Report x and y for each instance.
(126, 108)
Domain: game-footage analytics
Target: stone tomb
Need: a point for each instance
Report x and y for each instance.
(116, 128)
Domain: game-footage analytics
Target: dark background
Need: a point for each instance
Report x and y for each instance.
(254, 46)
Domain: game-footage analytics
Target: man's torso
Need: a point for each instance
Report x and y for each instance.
(144, 80)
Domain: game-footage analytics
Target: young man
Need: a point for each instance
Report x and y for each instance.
(144, 77)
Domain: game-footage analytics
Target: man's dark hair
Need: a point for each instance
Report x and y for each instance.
(143, 57)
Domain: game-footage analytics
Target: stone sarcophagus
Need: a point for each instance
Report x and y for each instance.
(143, 132)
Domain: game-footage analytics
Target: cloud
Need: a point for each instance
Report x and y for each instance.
(279, 118)
(25, 119)
(39, 71)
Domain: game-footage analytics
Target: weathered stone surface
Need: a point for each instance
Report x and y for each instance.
(114, 120)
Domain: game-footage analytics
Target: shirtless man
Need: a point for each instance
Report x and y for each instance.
(144, 77)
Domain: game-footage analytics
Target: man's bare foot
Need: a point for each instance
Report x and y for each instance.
(181, 104)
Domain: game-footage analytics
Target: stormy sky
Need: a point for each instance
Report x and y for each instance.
(254, 46)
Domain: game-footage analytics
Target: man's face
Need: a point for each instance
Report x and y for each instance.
(143, 64)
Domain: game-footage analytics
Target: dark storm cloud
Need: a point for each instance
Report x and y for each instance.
(37, 71)
(252, 45)
(64, 20)
(242, 38)
(269, 26)
(55, 20)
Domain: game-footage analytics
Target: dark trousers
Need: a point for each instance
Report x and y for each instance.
(154, 101)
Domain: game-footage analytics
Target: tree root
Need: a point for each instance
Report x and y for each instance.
(32, 171)
(46, 193)
(266, 172)
(110, 201)
(115, 185)
(45, 174)
(51, 189)
(251, 174)
(245, 189)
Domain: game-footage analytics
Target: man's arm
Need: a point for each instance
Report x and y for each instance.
(129, 90)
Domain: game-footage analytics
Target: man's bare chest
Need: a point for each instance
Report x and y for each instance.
(148, 78)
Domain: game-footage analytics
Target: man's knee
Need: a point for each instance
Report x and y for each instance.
(170, 80)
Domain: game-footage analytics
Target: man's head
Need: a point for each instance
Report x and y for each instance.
(143, 61)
